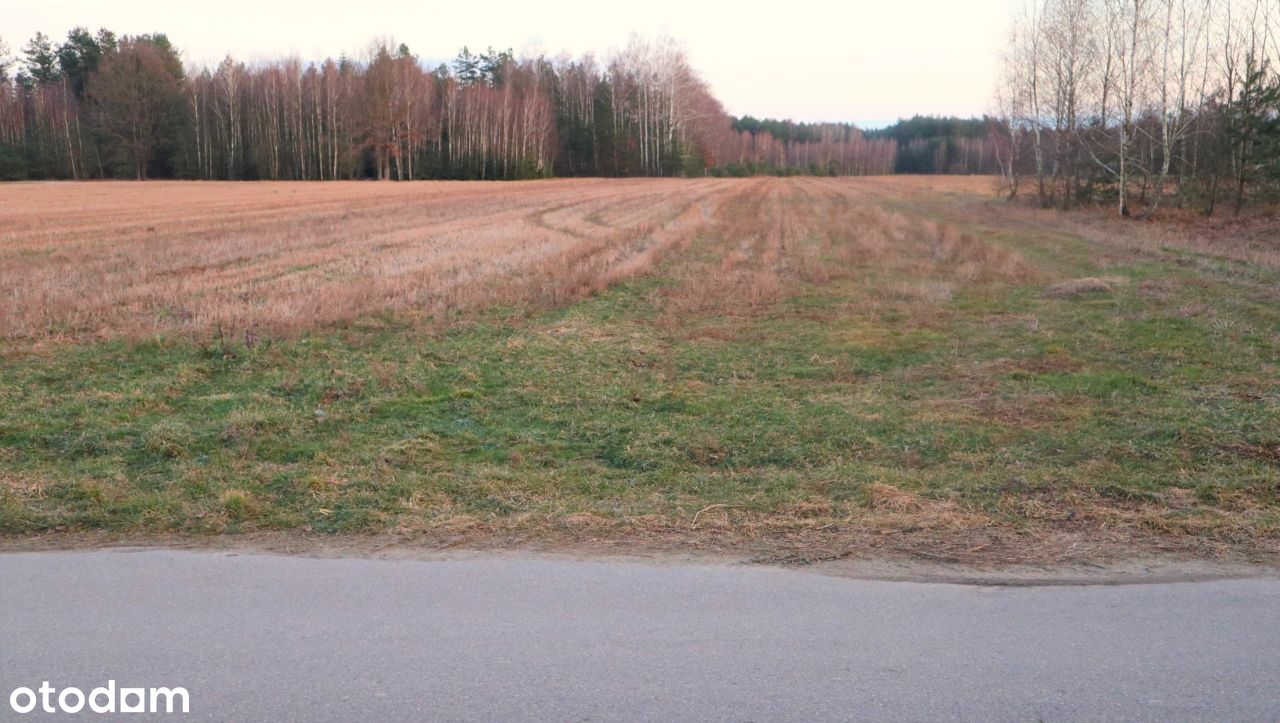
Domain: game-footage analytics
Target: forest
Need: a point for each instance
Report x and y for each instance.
(98, 105)
(1141, 104)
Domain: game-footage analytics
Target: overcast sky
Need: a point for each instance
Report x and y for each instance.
(865, 61)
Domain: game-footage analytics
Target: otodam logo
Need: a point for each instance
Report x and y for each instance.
(103, 699)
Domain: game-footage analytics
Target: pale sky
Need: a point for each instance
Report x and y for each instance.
(867, 61)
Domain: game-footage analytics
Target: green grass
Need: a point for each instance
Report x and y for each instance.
(612, 408)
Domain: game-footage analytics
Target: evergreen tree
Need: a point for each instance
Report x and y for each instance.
(41, 61)
(466, 66)
(1253, 128)
(80, 55)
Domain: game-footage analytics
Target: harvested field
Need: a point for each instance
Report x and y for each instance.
(804, 368)
(108, 260)
(119, 259)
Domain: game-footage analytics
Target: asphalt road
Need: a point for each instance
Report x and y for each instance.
(506, 638)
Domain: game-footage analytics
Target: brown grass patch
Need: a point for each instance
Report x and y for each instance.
(881, 496)
(775, 235)
(1250, 238)
(1078, 287)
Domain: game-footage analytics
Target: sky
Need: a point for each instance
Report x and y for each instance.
(869, 62)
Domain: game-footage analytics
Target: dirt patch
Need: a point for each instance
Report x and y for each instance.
(1269, 453)
(1026, 527)
(1140, 566)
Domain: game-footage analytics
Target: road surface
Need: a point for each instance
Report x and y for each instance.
(255, 637)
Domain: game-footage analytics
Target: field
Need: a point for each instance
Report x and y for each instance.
(797, 368)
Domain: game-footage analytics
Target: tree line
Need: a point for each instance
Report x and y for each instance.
(99, 105)
(950, 145)
(1141, 104)
(783, 147)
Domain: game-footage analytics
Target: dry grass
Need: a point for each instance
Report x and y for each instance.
(122, 259)
(778, 234)
(107, 260)
(1251, 238)
(1079, 287)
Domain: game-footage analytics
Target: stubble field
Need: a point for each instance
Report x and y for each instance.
(805, 368)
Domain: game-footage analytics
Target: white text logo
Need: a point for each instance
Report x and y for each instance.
(103, 699)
